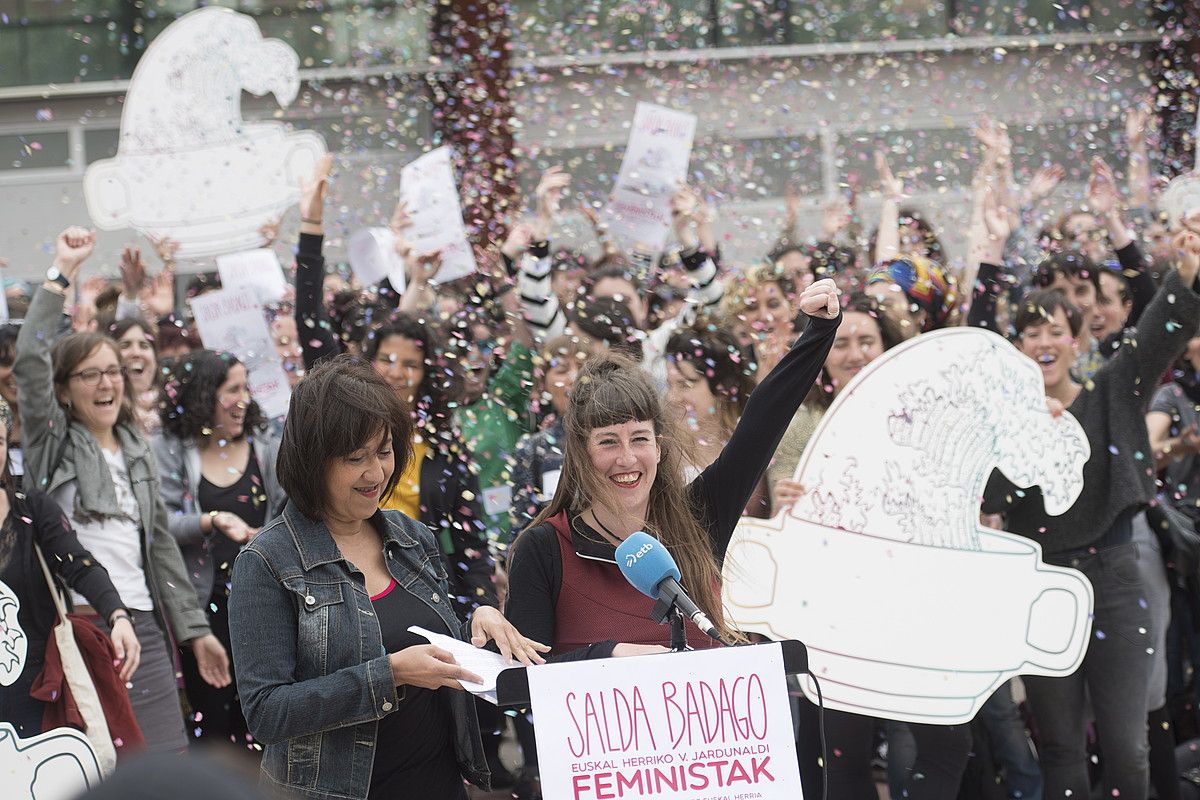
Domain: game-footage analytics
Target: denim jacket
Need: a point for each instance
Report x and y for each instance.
(312, 672)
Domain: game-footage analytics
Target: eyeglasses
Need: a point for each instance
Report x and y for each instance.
(91, 377)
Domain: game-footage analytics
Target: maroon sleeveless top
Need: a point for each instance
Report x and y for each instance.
(596, 604)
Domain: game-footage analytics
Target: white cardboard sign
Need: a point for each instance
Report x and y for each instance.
(427, 186)
(56, 765)
(258, 270)
(911, 609)
(691, 726)
(373, 257)
(233, 322)
(188, 167)
(655, 163)
(14, 644)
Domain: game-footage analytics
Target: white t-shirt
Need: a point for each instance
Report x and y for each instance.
(115, 542)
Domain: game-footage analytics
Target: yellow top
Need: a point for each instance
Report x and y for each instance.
(406, 496)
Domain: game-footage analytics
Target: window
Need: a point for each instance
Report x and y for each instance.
(63, 41)
(34, 151)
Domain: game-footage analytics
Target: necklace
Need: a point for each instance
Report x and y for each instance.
(612, 537)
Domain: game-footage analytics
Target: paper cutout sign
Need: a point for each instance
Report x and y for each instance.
(56, 765)
(427, 186)
(655, 163)
(187, 166)
(1181, 196)
(912, 610)
(14, 644)
(230, 321)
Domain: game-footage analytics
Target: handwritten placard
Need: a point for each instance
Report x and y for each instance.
(655, 163)
(258, 270)
(232, 321)
(689, 726)
(427, 187)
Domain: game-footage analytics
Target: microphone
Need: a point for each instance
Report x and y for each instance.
(651, 570)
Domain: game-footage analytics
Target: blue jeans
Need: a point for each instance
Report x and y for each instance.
(1115, 673)
(1010, 746)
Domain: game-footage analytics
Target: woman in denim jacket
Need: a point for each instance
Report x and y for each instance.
(347, 702)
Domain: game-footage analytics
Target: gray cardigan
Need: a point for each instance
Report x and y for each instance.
(179, 471)
(59, 451)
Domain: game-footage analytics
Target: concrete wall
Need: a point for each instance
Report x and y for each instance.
(766, 119)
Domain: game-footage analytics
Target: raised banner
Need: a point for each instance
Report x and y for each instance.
(655, 164)
(232, 322)
(427, 187)
(910, 607)
(188, 166)
(704, 725)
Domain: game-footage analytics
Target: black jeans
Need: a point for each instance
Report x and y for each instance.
(941, 757)
(1115, 673)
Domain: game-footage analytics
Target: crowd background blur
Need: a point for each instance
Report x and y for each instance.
(995, 164)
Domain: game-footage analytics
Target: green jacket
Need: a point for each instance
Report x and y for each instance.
(491, 427)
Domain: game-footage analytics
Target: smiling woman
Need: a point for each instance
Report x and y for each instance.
(216, 457)
(139, 356)
(624, 471)
(82, 449)
(323, 600)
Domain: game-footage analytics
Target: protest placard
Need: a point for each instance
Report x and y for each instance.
(258, 269)
(427, 187)
(232, 321)
(685, 726)
(655, 163)
(373, 257)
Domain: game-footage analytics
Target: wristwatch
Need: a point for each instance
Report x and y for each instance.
(54, 275)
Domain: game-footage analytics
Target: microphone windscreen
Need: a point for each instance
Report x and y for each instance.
(645, 563)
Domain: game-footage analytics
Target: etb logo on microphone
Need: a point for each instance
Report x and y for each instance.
(631, 558)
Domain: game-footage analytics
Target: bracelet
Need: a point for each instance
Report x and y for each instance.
(308, 221)
(118, 616)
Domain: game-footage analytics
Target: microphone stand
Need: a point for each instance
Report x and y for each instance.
(668, 612)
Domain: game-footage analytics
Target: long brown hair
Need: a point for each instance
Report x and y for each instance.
(612, 389)
(73, 349)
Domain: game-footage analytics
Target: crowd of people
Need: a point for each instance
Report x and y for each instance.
(466, 456)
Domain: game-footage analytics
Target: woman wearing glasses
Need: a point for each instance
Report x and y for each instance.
(83, 449)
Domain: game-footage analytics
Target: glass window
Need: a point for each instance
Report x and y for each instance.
(1028, 17)
(99, 143)
(34, 151)
(58, 41)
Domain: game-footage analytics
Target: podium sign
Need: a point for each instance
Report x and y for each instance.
(693, 726)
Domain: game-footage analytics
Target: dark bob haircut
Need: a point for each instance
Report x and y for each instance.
(336, 410)
(1068, 264)
(191, 396)
(1039, 307)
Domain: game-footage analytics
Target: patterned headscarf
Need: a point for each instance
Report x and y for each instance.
(924, 283)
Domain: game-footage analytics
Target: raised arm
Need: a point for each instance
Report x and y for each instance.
(1172, 316)
(989, 235)
(317, 339)
(724, 488)
(43, 422)
(887, 242)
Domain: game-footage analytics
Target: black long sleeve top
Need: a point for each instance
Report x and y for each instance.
(717, 495)
(36, 519)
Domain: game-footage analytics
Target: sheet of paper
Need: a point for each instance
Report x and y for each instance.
(655, 162)
(483, 663)
(232, 321)
(373, 257)
(258, 269)
(427, 186)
